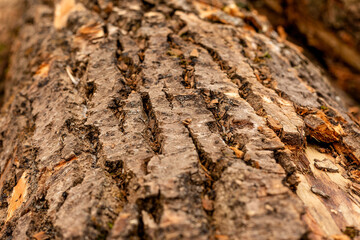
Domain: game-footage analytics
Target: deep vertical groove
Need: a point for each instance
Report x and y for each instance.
(152, 131)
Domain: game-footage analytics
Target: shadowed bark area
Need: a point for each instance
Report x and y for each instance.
(170, 120)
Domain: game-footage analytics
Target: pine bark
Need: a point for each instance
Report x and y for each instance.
(170, 120)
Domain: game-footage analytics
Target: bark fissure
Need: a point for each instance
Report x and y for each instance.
(152, 131)
(213, 173)
(186, 63)
(224, 65)
(169, 97)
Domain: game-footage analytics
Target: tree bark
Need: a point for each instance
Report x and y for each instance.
(9, 20)
(332, 27)
(170, 120)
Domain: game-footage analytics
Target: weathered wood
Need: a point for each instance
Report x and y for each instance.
(148, 120)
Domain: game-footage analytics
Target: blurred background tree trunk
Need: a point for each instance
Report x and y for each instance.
(9, 20)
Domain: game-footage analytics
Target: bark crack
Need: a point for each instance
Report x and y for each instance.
(213, 173)
(152, 130)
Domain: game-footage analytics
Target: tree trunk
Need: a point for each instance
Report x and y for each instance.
(332, 27)
(172, 120)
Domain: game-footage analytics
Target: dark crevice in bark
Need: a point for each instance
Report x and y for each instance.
(141, 233)
(186, 63)
(152, 131)
(89, 133)
(224, 65)
(116, 106)
(79, 68)
(148, 5)
(142, 42)
(120, 175)
(189, 80)
(213, 173)
(213, 101)
(210, 168)
(131, 80)
(130, 72)
(90, 89)
(169, 97)
(119, 48)
(284, 158)
(152, 205)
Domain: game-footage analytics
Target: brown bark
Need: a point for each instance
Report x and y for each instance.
(170, 120)
(9, 20)
(332, 27)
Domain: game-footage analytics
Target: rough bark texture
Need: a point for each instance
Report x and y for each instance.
(175, 120)
(332, 27)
